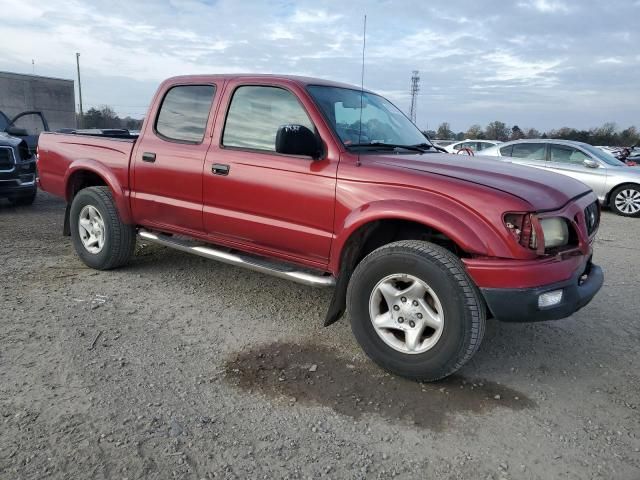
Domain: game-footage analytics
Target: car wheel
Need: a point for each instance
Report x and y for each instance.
(414, 311)
(625, 200)
(24, 200)
(99, 237)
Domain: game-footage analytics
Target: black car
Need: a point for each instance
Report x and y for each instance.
(18, 143)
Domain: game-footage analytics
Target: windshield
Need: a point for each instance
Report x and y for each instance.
(602, 155)
(382, 122)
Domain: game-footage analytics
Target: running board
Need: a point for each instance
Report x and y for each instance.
(257, 264)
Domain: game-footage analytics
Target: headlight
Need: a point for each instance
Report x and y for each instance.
(556, 232)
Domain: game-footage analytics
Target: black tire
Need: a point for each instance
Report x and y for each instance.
(119, 239)
(635, 189)
(24, 199)
(463, 307)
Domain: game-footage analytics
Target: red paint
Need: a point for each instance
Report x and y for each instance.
(304, 211)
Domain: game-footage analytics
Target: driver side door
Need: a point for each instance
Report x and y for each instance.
(569, 161)
(259, 199)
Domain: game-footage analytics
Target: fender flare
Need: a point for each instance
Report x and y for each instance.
(120, 194)
(469, 231)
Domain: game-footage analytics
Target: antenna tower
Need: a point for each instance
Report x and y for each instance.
(415, 88)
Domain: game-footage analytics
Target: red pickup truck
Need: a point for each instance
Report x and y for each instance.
(330, 185)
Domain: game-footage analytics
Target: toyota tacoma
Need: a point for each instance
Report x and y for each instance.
(331, 185)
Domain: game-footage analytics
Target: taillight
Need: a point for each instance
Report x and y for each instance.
(521, 227)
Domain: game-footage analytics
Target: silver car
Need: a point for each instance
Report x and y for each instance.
(616, 184)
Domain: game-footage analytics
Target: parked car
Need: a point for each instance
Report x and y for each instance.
(473, 145)
(616, 184)
(17, 171)
(18, 142)
(26, 125)
(328, 185)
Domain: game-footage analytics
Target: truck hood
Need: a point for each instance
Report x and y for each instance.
(543, 190)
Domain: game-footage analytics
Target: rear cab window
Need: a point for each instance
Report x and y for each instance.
(255, 114)
(184, 113)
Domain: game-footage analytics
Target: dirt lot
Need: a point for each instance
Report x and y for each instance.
(179, 367)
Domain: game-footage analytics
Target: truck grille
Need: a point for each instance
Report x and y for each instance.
(592, 218)
(6, 158)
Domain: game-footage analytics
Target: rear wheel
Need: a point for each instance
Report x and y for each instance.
(99, 237)
(414, 310)
(625, 200)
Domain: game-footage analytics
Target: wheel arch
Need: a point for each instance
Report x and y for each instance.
(382, 224)
(607, 198)
(84, 173)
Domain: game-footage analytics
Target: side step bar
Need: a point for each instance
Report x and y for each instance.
(252, 263)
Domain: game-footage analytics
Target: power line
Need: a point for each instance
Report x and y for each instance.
(415, 88)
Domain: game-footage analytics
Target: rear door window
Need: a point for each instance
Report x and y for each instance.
(184, 113)
(529, 151)
(506, 151)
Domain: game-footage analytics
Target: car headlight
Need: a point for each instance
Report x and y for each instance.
(556, 232)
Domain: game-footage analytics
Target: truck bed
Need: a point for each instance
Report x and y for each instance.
(60, 154)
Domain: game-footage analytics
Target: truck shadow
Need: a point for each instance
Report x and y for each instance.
(315, 375)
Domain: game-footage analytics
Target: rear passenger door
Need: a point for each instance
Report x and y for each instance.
(262, 200)
(533, 154)
(169, 158)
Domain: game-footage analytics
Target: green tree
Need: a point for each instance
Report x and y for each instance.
(444, 132)
(497, 131)
(475, 132)
(532, 133)
(516, 133)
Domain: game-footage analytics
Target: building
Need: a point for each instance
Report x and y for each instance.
(55, 97)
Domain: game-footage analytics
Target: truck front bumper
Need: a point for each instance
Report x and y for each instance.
(548, 302)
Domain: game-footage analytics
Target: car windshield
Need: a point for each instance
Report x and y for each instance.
(601, 155)
(363, 118)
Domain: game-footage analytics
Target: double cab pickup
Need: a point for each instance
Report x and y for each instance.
(332, 186)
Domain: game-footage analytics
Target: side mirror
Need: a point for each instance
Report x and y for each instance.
(590, 163)
(17, 132)
(295, 139)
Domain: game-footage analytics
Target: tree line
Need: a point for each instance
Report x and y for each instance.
(106, 117)
(607, 134)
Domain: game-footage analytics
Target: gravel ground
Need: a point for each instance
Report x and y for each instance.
(179, 367)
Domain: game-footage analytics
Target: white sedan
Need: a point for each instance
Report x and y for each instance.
(473, 145)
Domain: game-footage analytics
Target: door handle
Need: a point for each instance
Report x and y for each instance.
(149, 157)
(220, 169)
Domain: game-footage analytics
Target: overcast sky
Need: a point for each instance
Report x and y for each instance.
(534, 63)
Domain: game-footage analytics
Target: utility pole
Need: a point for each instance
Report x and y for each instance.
(415, 88)
(79, 90)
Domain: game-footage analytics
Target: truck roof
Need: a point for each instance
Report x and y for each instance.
(300, 80)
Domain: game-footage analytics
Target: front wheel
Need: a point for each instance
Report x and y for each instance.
(625, 200)
(414, 311)
(99, 237)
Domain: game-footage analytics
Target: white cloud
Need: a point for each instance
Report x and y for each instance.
(470, 54)
(611, 60)
(546, 6)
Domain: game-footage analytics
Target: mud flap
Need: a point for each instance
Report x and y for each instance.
(66, 227)
(338, 303)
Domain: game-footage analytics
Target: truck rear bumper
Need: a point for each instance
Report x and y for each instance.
(548, 302)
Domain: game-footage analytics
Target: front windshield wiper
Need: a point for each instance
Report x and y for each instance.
(431, 145)
(421, 147)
